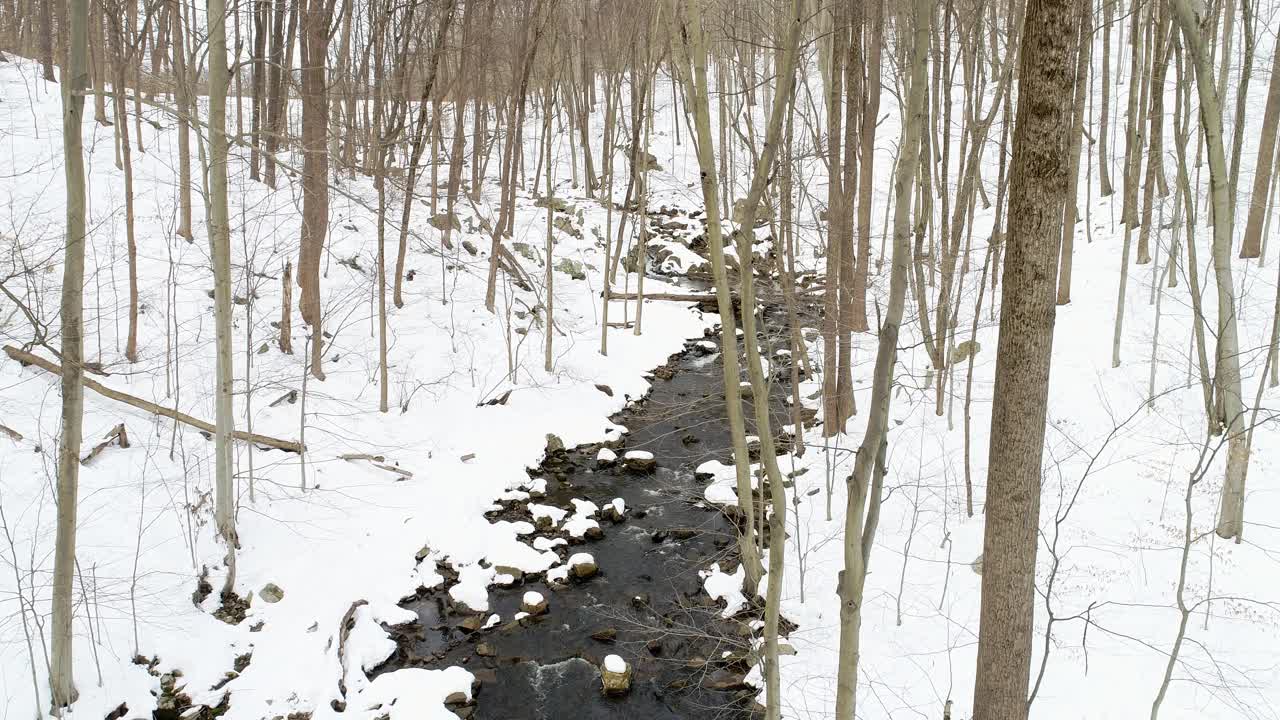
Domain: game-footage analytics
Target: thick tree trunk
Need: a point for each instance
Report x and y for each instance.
(1037, 198)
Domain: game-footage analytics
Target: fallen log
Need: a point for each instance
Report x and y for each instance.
(27, 358)
(706, 297)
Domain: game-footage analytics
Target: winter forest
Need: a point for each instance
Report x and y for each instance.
(654, 359)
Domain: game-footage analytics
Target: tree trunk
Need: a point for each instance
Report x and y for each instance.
(74, 82)
(1073, 170)
(1252, 246)
(1231, 509)
(419, 136)
(866, 480)
(220, 256)
(1037, 199)
(315, 170)
(182, 97)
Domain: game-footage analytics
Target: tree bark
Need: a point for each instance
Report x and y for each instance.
(1231, 508)
(1037, 199)
(315, 170)
(866, 480)
(220, 256)
(61, 682)
(1252, 246)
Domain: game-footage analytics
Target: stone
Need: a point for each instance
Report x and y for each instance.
(485, 650)
(605, 635)
(533, 603)
(470, 247)
(964, 350)
(683, 533)
(554, 443)
(615, 675)
(606, 458)
(555, 203)
(615, 511)
(471, 623)
(583, 566)
(440, 221)
(572, 268)
(456, 698)
(271, 593)
(640, 461)
(726, 680)
(514, 572)
(527, 252)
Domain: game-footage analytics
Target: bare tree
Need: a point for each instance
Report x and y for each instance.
(1227, 355)
(1037, 200)
(220, 256)
(74, 84)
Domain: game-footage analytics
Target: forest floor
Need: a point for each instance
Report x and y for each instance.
(360, 539)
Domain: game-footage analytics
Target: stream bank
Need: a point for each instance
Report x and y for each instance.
(646, 603)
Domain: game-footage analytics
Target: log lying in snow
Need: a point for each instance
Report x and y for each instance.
(688, 297)
(27, 358)
(378, 461)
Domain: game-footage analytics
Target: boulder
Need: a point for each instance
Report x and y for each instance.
(582, 566)
(533, 603)
(440, 221)
(271, 593)
(606, 458)
(572, 268)
(614, 511)
(615, 675)
(639, 461)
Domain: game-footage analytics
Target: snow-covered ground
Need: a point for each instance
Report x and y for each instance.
(145, 531)
(1112, 506)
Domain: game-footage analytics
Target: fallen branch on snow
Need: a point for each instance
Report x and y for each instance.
(27, 358)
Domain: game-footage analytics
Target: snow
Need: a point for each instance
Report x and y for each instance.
(551, 512)
(638, 455)
(532, 598)
(723, 586)
(353, 533)
(581, 558)
(619, 505)
(605, 456)
(615, 664)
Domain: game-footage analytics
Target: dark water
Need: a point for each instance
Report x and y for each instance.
(686, 661)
